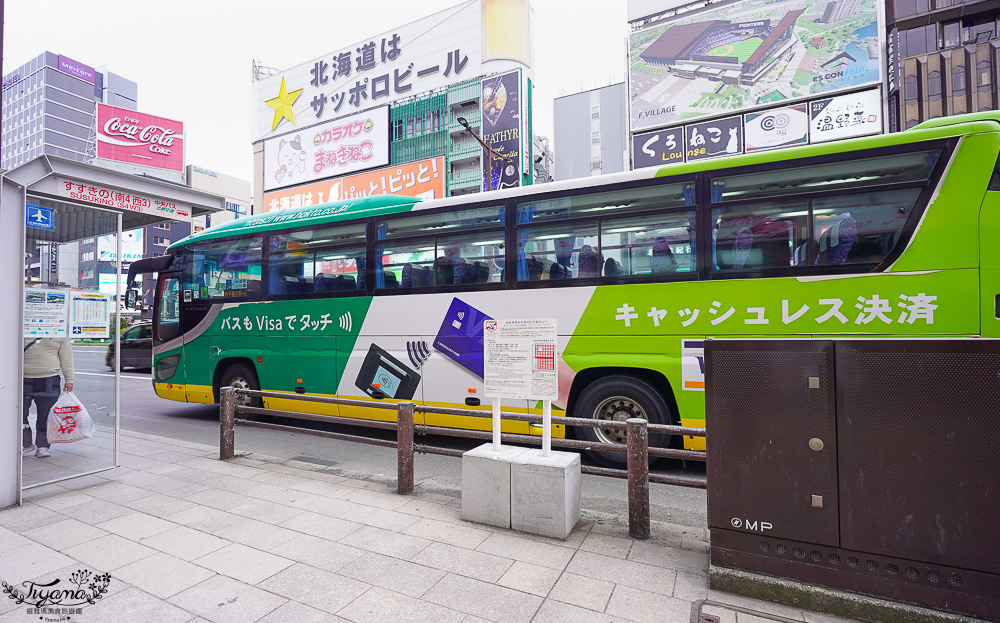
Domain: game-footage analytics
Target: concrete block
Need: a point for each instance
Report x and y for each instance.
(545, 493)
(486, 490)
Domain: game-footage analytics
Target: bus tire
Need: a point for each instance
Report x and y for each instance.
(618, 398)
(242, 376)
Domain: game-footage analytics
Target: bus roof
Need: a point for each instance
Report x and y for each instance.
(378, 205)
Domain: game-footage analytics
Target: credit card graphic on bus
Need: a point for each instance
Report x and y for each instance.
(461, 336)
(395, 379)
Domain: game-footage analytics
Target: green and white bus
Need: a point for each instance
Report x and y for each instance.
(892, 235)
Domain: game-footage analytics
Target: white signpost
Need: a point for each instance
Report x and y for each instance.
(520, 362)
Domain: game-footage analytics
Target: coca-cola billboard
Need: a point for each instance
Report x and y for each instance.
(138, 138)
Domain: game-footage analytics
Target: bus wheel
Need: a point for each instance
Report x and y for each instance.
(242, 377)
(613, 400)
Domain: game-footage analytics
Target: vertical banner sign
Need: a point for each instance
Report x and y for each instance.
(137, 138)
(654, 149)
(501, 110)
(723, 137)
(781, 127)
(520, 359)
(845, 116)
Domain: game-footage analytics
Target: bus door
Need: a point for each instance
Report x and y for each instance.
(168, 351)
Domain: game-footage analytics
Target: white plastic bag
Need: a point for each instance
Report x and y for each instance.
(69, 420)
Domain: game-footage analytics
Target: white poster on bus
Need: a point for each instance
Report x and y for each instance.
(519, 359)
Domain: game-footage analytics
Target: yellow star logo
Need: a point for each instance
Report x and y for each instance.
(282, 104)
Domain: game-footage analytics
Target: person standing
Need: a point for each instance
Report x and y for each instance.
(44, 358)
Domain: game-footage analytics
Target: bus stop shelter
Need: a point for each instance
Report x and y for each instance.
(50, 209)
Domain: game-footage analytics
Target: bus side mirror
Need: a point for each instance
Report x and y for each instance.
(131, 297)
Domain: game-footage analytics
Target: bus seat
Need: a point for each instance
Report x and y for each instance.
(390, 280)
(281, 286)
(464, 272)
(836, 242)
(742, 246)
(482, 273)
(558, 271)
(324, 283)
(407, 275)
(347, 282)
(612, 268)
(662, 260)
(590, 262)
(444, 274)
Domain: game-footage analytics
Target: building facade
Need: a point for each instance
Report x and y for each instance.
(49, 105)
(590, 133)
(943, 59)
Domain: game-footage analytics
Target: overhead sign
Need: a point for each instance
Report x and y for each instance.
(779, 127)
(742, 55)
(76, 69)
(39, 217)
(502, 116)
(423, 179)
(845, 116)
(328, 149)
(102, 195)
(439, 50)
(137, 138)
(520, 359)
(722, 137)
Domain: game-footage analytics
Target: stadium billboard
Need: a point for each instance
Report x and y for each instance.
(750, 54)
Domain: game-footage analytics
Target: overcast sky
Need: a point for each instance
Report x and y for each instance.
(192, 58)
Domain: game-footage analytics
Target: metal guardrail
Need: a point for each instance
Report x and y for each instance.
(636, 448)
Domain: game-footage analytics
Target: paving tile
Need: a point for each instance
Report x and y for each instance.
(386, 542)
(30, 561)
(379, 605)
(321, 525)
(256, 534)
(397, 575)
(691, 586)
(669, 557)
(21, 518)
(560, 612)
(482, 599)
(216, 498)
(63, 534)
(117, 492)
(300, 613)
(82, 482)
(159, 505)
(452, 534)
(244, 563)
(466, 562)
(318, 552)
(10, 539)
(429, 509)
(320, 487)
(623, 572)
(646, 607)
(543, 554)
(136, 526)
(582, 591)
(607, 545)
(378, 499)
(109, 552)
(332, 507)
(529, 578)
(265, 511)
(96, 511)
(204, 518)
(380, 518)
(132, 605)
(61, 500)
(185, 543)
(224, 600)
(162, 575)
(320, 589)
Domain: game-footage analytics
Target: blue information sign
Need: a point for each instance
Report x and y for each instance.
(39, 217)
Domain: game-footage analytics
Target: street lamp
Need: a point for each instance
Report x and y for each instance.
(489, 152)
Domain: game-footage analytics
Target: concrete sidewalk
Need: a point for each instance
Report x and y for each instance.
(186, 537)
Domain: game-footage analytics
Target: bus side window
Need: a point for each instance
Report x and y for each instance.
(759, 235)
(225, 269)
(317, 261)
(860, 227)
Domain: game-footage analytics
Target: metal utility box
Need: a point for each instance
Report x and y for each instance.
(866, 465)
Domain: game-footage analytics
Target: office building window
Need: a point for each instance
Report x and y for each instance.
(87, 273)
(951, 35)
(934, 85)
(87, 256)
(958, 81)
(595, 138)
(162, 226)
(595, 112)
(595, 163)
(161, 241)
